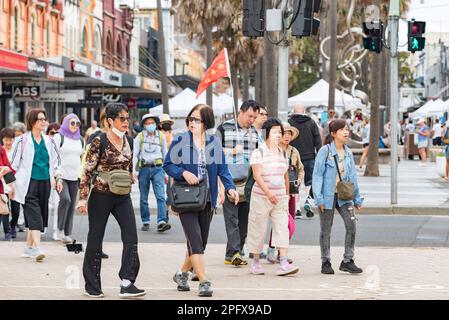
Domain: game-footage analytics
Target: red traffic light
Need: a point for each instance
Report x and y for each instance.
(417, 28)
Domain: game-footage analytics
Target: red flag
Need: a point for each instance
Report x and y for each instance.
(218, 69)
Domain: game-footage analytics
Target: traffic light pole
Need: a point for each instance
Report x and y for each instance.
(393, 27)
(283, 68)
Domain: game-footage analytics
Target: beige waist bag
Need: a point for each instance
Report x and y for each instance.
(119, 181)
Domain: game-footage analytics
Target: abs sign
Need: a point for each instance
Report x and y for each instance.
(26, 91)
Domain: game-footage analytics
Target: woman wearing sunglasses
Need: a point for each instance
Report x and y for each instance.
(37, 164)
(71, 145)
(193, 157)
(53, 202)
(109, 159)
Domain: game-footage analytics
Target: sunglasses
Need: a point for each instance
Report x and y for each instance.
(124, 119)
(194, 120)
(75, 123)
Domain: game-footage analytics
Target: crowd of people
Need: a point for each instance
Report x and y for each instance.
(252, 165)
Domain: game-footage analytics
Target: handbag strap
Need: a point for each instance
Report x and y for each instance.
(338, 168)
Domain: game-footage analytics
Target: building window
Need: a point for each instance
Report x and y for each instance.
(16, 27)
(48, 39)
(98, 46)
(109, 49)
(119, 54)
(33, 34)
(84, 43)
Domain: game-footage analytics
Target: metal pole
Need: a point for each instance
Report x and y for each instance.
(393, 27)
(283, 68)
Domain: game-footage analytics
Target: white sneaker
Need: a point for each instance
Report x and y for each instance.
(28, 252)
(66, 239)
(56, 236)
(38, 254)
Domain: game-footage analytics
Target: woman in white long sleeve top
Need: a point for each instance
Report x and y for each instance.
(36, 162)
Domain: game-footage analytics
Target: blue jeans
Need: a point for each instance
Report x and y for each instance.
(156, 177)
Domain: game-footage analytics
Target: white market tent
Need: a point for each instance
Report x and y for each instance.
(432, 108)
(318, 95)
(180, 105)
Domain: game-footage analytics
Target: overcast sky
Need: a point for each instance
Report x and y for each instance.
(434, 12)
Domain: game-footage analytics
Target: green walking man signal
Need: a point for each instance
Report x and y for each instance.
(374, 32)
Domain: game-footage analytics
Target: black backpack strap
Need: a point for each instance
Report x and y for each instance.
(82, 142)
(62, 140)
(131, 142)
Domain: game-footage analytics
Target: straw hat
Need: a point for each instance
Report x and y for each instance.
(166, 118)
(293, 130)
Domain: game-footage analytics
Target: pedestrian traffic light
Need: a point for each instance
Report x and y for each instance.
(304, 24)
(416, 41)
(374, 31)
(253, 18)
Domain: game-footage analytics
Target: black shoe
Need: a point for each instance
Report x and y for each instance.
(94, 295)
(146, 227)
(181, 279)
(298, 214)
(21, 227)
(350, 267)
(104, 256)
(131, 292)
(326, 268)
(163, 226)
(205, 289)
(309, 214)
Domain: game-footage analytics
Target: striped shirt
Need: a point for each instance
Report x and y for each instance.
(230, 138)
(274, 166)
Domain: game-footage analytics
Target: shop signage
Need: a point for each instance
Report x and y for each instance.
(152, 85)
(147, 103)
(13, 61)
(97, 72)
(26, 91)
(37, 68)
(79, 67)
(89, 102)
(55, 73)
(6, 92)
(132, 103)
(59, 97)
(113, 78)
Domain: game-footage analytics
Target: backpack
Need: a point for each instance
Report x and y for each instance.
(141, 141)
(62, 141)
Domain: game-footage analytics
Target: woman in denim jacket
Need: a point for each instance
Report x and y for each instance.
(325, 179)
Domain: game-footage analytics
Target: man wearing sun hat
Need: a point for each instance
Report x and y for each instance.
(150, 149)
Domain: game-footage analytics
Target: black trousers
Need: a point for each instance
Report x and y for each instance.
(15, 213)
(236, 222)
(5, 220)
(35, 208)
(99, 207)
(196, 227)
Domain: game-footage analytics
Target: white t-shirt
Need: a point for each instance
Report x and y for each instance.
(438, 130)
(70, 153)
(274, 167)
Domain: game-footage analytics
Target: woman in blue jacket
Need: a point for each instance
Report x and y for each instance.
(325, 179)
(191, 157)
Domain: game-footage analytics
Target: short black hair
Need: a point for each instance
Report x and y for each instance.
(269, 124)
(207, 115)
(113, 110)
(7, 133)
(53, 126)
(253, 104)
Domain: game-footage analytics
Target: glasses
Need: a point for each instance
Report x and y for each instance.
(194, 120)
(75, 123)
(42, 119)
(124, 119)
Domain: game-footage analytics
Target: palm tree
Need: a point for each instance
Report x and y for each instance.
(200, 17)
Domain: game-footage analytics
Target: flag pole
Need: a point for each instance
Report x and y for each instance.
(234, 110)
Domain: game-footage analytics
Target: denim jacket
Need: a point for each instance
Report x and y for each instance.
(325, 175)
